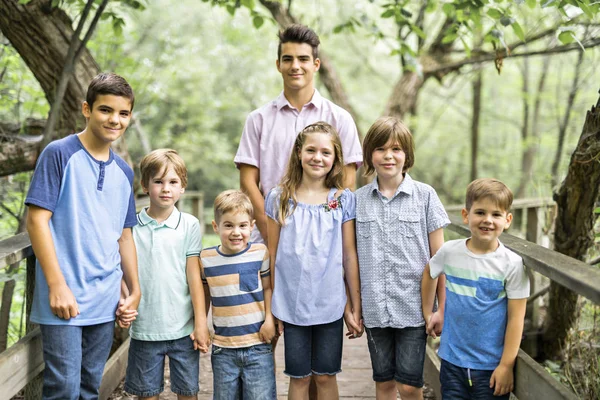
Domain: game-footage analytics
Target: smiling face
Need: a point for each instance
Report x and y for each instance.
(388, 160)
(297, 66)
(234, 231)
(108, 118)
(164, 190)
(317, 156)
(486, 221)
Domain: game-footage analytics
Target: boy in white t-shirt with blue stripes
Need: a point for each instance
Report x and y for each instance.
(486, 294)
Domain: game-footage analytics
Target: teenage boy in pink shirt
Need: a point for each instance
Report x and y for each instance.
(270, 131)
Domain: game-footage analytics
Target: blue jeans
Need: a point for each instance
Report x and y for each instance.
(247, 372)
(75, 358)
(456, 385)
(146, 367)
(398, 354)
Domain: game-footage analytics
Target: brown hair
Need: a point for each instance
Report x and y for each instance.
(382, 130)
(232, 201)
(159, 160)
(293, 176)
(298, 33)
(489, 188)
(108, 83)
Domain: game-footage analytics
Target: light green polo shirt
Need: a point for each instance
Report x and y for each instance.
(165, 310)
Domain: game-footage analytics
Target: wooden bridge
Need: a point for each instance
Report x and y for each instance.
(21, 365)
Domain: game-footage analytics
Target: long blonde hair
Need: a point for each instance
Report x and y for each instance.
(293, 176)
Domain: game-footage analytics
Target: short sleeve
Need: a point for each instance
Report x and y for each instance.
(248, 151)
(348, 200)
(193, 239)
(272, 203)
(131, 217)
(265, 269)
(436, 263)
(436, 214)
(517, 281)
(47, 178)
(351, 147)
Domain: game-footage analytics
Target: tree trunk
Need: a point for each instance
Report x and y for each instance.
(475, 118)
(576, 200)
(403, 99)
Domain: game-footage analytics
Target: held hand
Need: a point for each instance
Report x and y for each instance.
(127, 317)
(502, 380)
(267, 331)
(435, 324)
(127, 310)
(354, 326)
(279, 327)
(201, 338)
(62, 302)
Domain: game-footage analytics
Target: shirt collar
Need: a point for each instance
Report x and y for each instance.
(406, 186)
(171, 222)
(282, 101)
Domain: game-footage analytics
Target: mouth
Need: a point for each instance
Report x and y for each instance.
(486, 229)
(235, 241)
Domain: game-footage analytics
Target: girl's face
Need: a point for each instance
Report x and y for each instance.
(317, 156)
(388, 160)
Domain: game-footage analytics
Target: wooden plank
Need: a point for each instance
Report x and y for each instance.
(20, 364)
(516, 205)
(431, 371)
(14, 249)
(569, 272)
(114, 370)
(532, 381)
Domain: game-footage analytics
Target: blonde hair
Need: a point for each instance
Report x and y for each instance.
(159, 160)
(489, 188)
(232, 201)
(293, 176)
(382, 131)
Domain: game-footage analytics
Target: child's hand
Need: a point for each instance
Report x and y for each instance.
(127, 310)
(267, 331)
(502, 380)
(279, 327)
(127, 317)
(435, 323)
(201, 338)
(354, 325)
(62, 302)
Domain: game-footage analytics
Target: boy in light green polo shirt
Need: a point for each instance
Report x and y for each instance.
(172, 319)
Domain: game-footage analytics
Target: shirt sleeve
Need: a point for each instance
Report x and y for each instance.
(517, 281)
(348, 200)
(272, 203)
(47, 178)
(436, 214)
(351, 147)
(194, 239)
(436, 263)
(265, 269)
(248, 151)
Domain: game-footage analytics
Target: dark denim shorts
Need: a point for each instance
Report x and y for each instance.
(398, 354)
(315, 349)
(146, 365)
(456, 385)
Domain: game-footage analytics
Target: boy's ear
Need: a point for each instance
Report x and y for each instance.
(509, 218)
(252, 224)
(215, 227)
(465, 216)
(277, 64)
(86, 110)
(317, 64)
(182, 190)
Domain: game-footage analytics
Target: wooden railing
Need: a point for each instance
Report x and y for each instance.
(531, 380)
(23, 363)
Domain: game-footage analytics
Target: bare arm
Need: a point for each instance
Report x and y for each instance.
(267, 330)
(130, 276)
(436, 240)
(200, 336)
(351, 275)
(249, 180)
(62, 302)
(273, 229)
(428, 285)
(350, 176)
(503, 378)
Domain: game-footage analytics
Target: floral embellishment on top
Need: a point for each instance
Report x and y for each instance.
(332, 205)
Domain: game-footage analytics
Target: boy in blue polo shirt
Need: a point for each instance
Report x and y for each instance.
(486, 294)
(81, 209)
(171, 320)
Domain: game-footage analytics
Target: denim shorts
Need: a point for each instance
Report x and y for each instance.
(246, 371)
(146, 365)
(315, 349)
(398, 354)
(455, 383)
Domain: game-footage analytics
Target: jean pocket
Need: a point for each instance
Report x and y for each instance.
(488, 289)
(216, 350)
(263, 348)
(248, 280)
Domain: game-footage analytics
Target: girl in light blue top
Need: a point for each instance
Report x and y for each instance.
(312, 250)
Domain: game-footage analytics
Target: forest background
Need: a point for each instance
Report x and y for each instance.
(482, 109)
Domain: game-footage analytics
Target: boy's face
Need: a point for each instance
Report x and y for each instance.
(388, 160)
(164, 191)
(108, 118)
(234, 231)
(297, 65)
(486, 221)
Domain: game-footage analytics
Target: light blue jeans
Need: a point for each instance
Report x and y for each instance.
(75, 358)
(249, 371)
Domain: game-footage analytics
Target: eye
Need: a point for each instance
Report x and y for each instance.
(396, 148)
(158, 181)
(174, 182)
(124, 114)
(479, 212)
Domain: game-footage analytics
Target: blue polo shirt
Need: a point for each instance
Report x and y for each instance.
(91, 203)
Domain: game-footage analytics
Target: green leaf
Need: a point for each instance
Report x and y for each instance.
(466, 46)
(230, 9)
(506, 21)
(518, 31)
(584, 7)
(566, 37)
(597, 210)
(388, 14)
(338, 28)
(248, 4)
(448, 9)
(548, 3)
(418, 31)
(494, 13)
(449, 38)
(405, 12)
(531, 4)
(258, 21)
(27, 1)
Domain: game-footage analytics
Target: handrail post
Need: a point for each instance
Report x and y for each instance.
(33, 390)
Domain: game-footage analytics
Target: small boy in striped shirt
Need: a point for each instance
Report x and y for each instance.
(238, 278)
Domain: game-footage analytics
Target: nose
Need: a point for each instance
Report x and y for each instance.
(113, 118)
(295, 63)
(388, 154)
